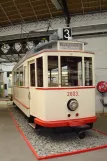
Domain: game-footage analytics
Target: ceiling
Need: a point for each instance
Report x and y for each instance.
(22, 11)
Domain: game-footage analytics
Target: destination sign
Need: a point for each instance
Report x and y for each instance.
(70, 46)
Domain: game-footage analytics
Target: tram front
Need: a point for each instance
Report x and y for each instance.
(69, 84)
(69, 89)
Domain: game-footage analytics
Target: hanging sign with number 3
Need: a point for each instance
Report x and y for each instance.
(66, 33)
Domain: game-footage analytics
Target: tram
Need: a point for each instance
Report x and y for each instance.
(54, 84)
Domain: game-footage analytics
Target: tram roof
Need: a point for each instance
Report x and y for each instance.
(34, 51)
(40, 47)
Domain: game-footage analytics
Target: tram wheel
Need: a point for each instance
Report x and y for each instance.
(91, 125)
(38, 127)
(14, 104)
(31, 119)
(81, 134)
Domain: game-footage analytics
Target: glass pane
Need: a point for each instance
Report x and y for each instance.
(24, 74)
(52, 71)
(32, 74)
(71, 71)
(21, 75)
(88, 71)
(39, 72)
(14, 77)
(17, 77)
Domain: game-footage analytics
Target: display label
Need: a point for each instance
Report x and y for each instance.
(66, 33)
(70, 46)
(73, 93)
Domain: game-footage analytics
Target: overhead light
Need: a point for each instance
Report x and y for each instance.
(56, 4)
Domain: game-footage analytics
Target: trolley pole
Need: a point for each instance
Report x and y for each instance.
(66, 12)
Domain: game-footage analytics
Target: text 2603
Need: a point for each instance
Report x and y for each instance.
(74, 93)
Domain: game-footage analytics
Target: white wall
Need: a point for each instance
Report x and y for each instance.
(98, 45)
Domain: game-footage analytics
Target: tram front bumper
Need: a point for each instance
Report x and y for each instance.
(63, 123)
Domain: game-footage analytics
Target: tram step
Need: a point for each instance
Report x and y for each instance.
(32, 125)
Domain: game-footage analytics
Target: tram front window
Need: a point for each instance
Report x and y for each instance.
(71, 71)
(53, 71)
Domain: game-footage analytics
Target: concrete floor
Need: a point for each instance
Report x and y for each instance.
(14, 148)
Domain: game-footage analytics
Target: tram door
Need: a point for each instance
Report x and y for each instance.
(31, 83)
(35, 81)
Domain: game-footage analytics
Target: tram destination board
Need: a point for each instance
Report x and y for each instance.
(70, 46)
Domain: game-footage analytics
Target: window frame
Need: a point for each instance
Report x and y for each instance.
(14, 78)
(22, 76)
(59, 69)
(43, 69)
(93, 76)
(17, 72)
(29, 75)
(81, 69)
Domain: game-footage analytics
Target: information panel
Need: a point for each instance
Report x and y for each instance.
(70, 46)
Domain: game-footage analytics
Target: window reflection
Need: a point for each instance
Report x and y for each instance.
(71, 71)
(39, 72)
(88, 71)
(21, 75)
(32, 74)
(52, 71)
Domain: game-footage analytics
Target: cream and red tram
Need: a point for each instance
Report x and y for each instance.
(54, 83)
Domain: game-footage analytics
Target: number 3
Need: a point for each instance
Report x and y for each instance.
(67, 34)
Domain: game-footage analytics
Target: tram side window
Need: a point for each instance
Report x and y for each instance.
(71, 71)
(39, 72)
(53, 71)
(24, 76)
(17, 77)
(21, 76)
(14, 77)
(88, 71)
(32, 74)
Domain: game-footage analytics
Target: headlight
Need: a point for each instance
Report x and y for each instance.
(72, 104)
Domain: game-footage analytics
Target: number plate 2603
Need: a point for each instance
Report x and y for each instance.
(73, 93)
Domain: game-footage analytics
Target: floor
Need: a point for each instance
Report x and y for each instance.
(14, 148)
